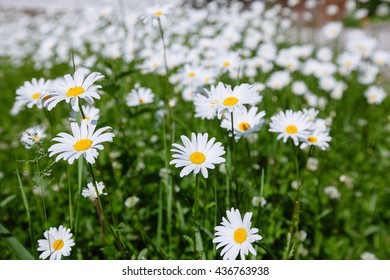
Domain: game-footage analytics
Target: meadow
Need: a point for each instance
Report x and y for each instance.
(316, 185)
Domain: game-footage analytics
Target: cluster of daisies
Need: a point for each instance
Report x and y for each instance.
(200, 61)
(85, 141)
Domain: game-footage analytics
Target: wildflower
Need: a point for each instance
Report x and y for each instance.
(299, 88)
(91, 114)
(90, 191)
(236, 235)
(71, 89)
(139, 96)
(131, 201)
(368, 256)
(197, 154)
(156, 12)
(226, 99)
(318, 138)
(332, 30)
(29, 94)
(332, 192)
(279, 80)
(245, 123)
(312, 164)
(58, 243)
(32, 136)
(290, 124)
(84, 142)
(258, 201)
(375, 95)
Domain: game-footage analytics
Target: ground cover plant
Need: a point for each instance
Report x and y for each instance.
(183, 133)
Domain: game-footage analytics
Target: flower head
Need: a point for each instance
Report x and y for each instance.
(29, 94)
(85, 141)
(139, 96)
(90, 191)
(290, 124)
(375, 95)
(236, 235)
(197, 154)
(226, 99)
(71, 89)
(318, 138)
(245, 123)
(58, 243)
(157, 12)
(32, 136)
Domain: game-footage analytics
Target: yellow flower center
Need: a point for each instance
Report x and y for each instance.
(348, 64)
(197, 158)
(291, 129)
(74, 91)
(158, 14)
(230, 101)
(244, 126)
(82, 145)
(87, 118)
(312, 139)
(58, 244)
(36, 95)
(240, 235)
(226, 64)
(192, 74)
(141, 101)
(36, 137)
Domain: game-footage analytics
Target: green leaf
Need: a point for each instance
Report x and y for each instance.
(14, 246)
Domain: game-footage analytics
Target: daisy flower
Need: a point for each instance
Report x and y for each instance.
(279, 79)
(236, 235)
(318, 138)
(139, 96)
(30, 93)
(197, 154)
(157, 12)
(226, 99)
(290, 124)
(71, 89)
(84, 142)
(58, 243)
(375, 95)
(90, 191)
(245, 123)
(33, 135)
(205, 105)
(91, 114)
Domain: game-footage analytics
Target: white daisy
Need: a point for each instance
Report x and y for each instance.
(157, 12)
(139, 96)
(58, 243)
(91, 114)
(375, 95)
(226, 99)
(30, 93)
(290, 124)
(236, 235)
(33, 135)
(245, 123)
(318, 138)
(197, 154)
(71, 89)
(84, 141)
(90, 191)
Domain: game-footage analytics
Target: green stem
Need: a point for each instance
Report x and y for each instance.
(233, 167)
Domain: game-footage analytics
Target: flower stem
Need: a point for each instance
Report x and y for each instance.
(233, 166)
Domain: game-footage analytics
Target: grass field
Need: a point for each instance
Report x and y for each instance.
(307, 203)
